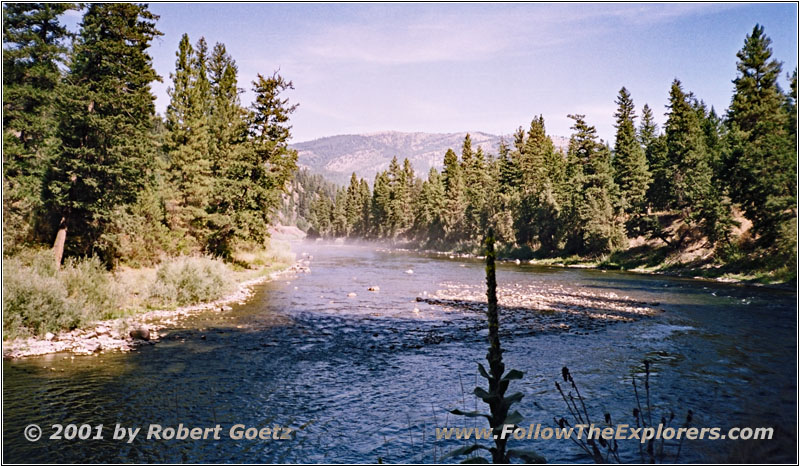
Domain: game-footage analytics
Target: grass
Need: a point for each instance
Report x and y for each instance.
(38, 299)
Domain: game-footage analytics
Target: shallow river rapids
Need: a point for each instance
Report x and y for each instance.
(368, 377)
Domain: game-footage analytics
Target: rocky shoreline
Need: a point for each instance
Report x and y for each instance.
(128, 333)
(682, 274)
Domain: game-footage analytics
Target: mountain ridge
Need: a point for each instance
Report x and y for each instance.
(336, 157)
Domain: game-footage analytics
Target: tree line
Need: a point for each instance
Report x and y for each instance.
(89, 167)
(696, 173)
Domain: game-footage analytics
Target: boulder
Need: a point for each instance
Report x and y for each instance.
(140, 333)
(351, 294)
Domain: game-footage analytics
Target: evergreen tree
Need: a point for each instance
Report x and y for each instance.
(251, 181)
(505, 194)
(431, 206)
(656, 155)
(321, 215)
(539, 206)
(397, 196)
(692, 190)
(474, 169)
(339, 214)
(510, 172)
(34, 45)
(407, 193)
(227, 118)
(761, 162)
(364, 225)
(453, 217)
(381, 204)
(631, 173)
(791, 109)
(353, 205)
(189, 166)
(105, 119)
(594, 225)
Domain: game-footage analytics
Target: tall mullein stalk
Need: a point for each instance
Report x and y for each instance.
(495, 397)
(497, 387)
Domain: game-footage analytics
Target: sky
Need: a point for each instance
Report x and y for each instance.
(362, 68)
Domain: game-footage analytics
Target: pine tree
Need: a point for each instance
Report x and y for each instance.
(364, 224)
(189, 167)
(339, 214)
(381, 204)
(353, 205)
(227, 118)
(397, 196)
(453, 218)
(320, 216)
(106, 115)
(34, 45)
(631, 173)
(430, 207)
(474, 171)
(692, 189)
(505, 194)
(510, 171)
(761, 162)
(251, 182)
(594, 225)
(406, 196)
(656, 155)
(538, 208)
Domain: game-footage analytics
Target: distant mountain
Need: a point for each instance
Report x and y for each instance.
(336, 157)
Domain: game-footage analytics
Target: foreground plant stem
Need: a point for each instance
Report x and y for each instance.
(495, 355)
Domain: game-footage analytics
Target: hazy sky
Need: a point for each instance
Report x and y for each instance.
(467, 67)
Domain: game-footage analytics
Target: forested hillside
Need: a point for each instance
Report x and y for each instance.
(686, 184)
(303, 191)
(337, 157)
(90, 168)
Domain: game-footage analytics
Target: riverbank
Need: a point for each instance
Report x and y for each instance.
(123, 310)
(126, 334)
(644, 260)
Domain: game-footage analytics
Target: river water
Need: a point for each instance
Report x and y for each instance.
(369, 378)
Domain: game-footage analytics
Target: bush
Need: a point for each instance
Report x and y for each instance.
(38, 300)
(34, 304)
(92, 288)
(191, 279)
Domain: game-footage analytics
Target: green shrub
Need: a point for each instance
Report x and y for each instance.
(191, 279)
(38, 300)
(34, 303)
(92, 288)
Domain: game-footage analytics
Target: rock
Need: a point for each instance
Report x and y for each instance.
(410, 271)
(49, 336)
(141, 333)
(351, 294)
(102, 330)
(374, 288)
(517, 261)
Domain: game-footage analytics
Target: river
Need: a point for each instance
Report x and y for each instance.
(368, 378)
